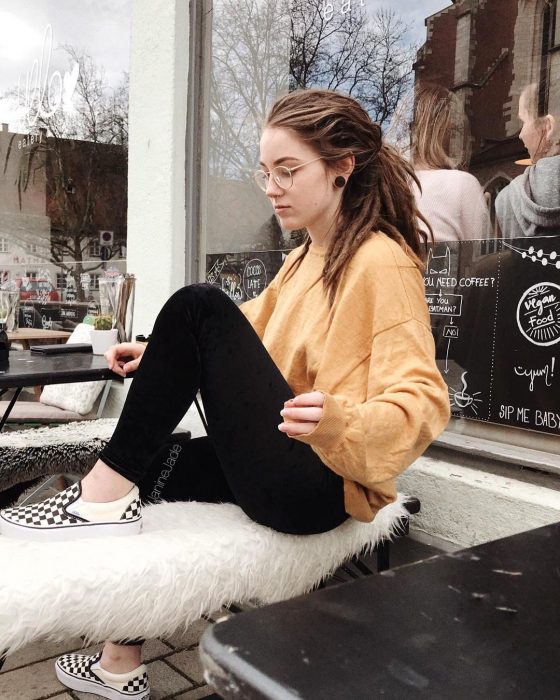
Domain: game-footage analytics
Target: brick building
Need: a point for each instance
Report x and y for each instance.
(486, 53)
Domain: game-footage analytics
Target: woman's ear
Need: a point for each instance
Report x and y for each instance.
(549, 123)
(345, 166)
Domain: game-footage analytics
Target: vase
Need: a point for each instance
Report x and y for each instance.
(101, 341)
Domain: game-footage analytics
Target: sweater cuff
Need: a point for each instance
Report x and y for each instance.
(330, 429)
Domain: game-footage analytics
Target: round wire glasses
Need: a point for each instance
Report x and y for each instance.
(281, 175)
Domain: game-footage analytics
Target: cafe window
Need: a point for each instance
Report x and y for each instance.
(63, 143)
(94, 249)
(492, 280)
(94, 282)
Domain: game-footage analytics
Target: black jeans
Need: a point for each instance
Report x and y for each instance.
(202, 341)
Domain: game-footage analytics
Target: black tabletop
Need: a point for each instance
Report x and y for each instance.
(481, 623)
(34, 369)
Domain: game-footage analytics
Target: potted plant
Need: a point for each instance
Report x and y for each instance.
(103, 335)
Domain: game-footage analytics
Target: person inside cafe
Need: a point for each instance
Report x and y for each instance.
(450, 199)
(530, 204)
(317, 393)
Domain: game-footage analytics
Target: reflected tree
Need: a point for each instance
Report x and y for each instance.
(262, 48)
(365, 56)
(82, 151)
(86, 156)
(249, 70)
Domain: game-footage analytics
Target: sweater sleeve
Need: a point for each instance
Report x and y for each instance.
(407, 407)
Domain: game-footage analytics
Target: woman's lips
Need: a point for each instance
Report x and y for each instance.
(279, 208)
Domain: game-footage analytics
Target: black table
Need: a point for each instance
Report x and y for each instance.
(483, 623)
(35, 369)
(29, 369)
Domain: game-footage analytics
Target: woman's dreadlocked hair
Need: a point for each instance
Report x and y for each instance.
(377, 196)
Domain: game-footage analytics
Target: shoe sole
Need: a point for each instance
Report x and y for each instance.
(70, 532)
(85, 686)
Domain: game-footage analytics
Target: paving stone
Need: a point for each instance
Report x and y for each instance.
(196, 694)
(30, 683)
(38, 652)
(189, 663)
(164, 681)
(185, 639)
(154, 648)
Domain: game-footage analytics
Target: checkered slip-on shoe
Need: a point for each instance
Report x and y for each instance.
(66, 517)
(84, 673)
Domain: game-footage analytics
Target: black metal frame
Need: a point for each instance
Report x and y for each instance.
(357, 568)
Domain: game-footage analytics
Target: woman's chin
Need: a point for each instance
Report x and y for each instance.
(289, 222)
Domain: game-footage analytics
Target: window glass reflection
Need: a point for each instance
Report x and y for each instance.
(469, 91)
(63, 154)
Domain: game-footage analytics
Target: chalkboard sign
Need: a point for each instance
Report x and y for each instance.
(243, 276)
(495, 315)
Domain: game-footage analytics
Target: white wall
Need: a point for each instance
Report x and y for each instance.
(156, 169)
(156, 173)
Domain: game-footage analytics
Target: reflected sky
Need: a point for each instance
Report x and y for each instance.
(414, 12)
(100, 27)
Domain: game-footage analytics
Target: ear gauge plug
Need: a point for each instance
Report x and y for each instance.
(339, 181)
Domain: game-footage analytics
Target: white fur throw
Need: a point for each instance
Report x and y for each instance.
(191, 559)
(74, 448)
(78, 397)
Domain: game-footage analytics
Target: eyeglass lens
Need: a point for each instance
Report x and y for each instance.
(282, 177)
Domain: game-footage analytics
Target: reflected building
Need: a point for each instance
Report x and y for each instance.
(56, 195)
(24, 224)
(486, 53)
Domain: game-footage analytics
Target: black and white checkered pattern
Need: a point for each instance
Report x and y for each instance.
(79, 674)
(137, 684)
(53, 514)
(79, 665)
(133, 511)
(49, 513)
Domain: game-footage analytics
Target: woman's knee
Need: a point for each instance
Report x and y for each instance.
(200, 295)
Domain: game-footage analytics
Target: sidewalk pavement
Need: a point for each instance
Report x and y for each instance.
(173, 667)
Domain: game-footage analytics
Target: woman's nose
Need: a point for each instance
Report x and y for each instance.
(272, 188)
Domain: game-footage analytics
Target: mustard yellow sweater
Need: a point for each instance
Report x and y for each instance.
(371, 353)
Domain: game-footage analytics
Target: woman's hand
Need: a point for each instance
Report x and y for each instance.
(124, 357)
(302, 413)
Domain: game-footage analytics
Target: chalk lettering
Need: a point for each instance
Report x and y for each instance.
(547, 372)
(547, 419)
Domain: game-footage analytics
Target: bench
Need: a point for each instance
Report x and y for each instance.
(190, 560)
